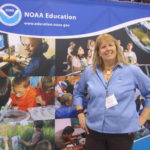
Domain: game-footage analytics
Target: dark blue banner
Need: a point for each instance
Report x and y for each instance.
(63, 18)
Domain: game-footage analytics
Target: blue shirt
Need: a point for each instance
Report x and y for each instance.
(65, 112)
(122, 118)
(36, 66)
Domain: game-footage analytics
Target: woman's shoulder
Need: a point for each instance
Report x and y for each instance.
(132, 68)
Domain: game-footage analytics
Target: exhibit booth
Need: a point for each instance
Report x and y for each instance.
(38, 41)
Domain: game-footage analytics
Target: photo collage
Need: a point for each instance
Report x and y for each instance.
(37, 79)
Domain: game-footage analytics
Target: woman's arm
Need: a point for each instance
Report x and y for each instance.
(78, 93)
(143, 84)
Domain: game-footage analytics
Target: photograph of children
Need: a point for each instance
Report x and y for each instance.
(64, 96)
(28, 56)
(77, 54)
(68, 136)
(23, 95)
(34, 135)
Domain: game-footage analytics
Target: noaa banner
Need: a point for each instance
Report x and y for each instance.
(44, 47)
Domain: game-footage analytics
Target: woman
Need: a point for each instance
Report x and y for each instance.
(111, 110)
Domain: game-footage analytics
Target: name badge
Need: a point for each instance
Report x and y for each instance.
(111, 101)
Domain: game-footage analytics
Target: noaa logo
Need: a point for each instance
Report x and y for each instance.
(10, 14)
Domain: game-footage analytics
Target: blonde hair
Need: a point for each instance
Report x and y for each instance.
(97, 60)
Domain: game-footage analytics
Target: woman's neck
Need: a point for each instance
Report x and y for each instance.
(107, 70)
(109, 65)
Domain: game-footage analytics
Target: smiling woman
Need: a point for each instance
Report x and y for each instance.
(111, 110)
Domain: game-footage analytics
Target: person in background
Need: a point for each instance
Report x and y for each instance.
(24, 95)
(91, 45)
(111, 109)
(89, 57)
(64, 137)
(130, 55)
(5, 89)
(36, 137)
(79, 61)
(46, 91)
(60, 89)
(66, 110)
(120, 46)
(34, 49)
(70, 50)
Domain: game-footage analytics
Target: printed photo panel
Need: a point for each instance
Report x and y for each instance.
(26, 56)
(28, 135)
(64, 96)
(27, 98)
(69, 135)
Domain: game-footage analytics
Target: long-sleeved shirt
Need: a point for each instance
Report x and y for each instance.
(35, 67)
(123, 117)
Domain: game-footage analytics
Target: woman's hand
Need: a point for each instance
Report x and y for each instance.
(82, 120)
(144, 116)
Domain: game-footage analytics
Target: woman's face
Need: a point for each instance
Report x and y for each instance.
(107, 50)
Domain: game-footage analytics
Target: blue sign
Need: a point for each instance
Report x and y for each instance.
(67, 18)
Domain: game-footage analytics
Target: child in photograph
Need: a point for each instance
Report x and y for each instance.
(63, 137)
(79, 61)
(91, 46)
(34, 50)
(130, 54)
(46, 91)
(89, 57)
(36, 62)
(65, 140)
(70, 49)
(24, 95)
(70, 54)
(36, 137)
(60, 89)
(66, 110)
